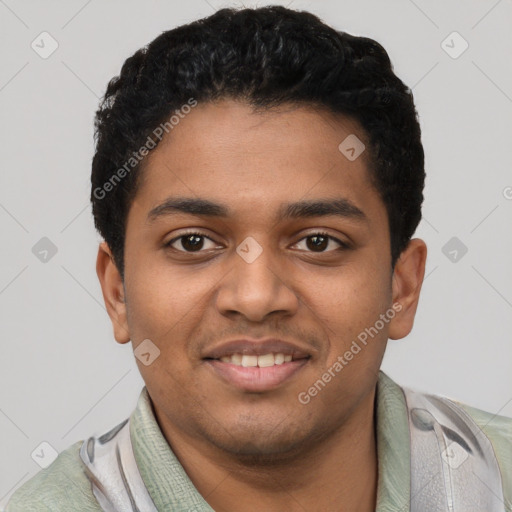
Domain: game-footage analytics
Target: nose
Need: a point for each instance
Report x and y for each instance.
(255, 288)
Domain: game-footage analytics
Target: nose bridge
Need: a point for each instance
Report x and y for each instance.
(255, 287)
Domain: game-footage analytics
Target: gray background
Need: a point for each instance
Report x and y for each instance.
(63, 376)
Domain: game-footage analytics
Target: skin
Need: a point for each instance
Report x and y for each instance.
(263, 451)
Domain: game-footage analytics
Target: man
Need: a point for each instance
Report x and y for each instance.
(257, 180)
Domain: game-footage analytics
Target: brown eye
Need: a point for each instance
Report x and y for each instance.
(190, 242)
(318, 242)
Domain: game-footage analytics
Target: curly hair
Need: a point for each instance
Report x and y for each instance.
(268, 57)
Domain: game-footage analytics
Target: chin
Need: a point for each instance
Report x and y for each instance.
(262, 444)
(264, 454)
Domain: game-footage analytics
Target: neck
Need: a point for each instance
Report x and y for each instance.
(339, 473)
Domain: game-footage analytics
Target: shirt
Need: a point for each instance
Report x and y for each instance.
(64, 484)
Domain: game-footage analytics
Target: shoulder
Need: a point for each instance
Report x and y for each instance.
(498, 430)
(62, 483)
(495, 428)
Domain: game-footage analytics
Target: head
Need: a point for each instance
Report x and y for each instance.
(259, 175)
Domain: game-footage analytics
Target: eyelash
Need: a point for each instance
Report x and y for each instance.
(343, 245)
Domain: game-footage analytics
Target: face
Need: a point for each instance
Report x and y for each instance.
(256, 255)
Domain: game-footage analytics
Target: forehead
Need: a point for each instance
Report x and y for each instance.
(259, 161)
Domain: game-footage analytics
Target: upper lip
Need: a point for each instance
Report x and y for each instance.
(258, 348)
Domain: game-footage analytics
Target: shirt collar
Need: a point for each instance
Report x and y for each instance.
(171, 489)
(393, 447)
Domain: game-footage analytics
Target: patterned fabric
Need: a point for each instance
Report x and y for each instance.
(67, 483)
(453, 464)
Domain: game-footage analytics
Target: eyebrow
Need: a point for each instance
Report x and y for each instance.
(340, 207)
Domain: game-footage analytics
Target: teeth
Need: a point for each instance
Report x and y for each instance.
(236, 359)
(263, 361)
(266, 360)
(249, 360)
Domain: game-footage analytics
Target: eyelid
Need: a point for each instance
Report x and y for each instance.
(184, 234)
(320, 232)
(198, 232)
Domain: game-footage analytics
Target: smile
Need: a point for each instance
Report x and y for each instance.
(263, 361)
(252, 373)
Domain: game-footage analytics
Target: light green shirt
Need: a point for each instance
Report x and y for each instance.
(64, 486)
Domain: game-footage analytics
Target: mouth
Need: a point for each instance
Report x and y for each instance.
(256, 367)
(260, 361)
(256, 379)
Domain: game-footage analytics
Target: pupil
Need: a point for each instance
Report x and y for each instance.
(319, 242)
(196, 244)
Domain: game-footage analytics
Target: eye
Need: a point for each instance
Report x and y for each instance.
(190, 242)
(318, 242)
(195, 242)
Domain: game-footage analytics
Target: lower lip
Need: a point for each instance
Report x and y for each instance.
(254, 378)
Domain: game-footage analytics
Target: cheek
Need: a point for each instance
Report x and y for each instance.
(160, 301)
(350, 304)
(352, 296)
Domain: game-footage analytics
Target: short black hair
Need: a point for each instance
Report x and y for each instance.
(268, 56)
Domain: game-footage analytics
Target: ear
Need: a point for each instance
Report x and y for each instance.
(407, 280)
(112, 288)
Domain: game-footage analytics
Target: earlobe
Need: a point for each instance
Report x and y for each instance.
(113, 291)
(408, 277)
